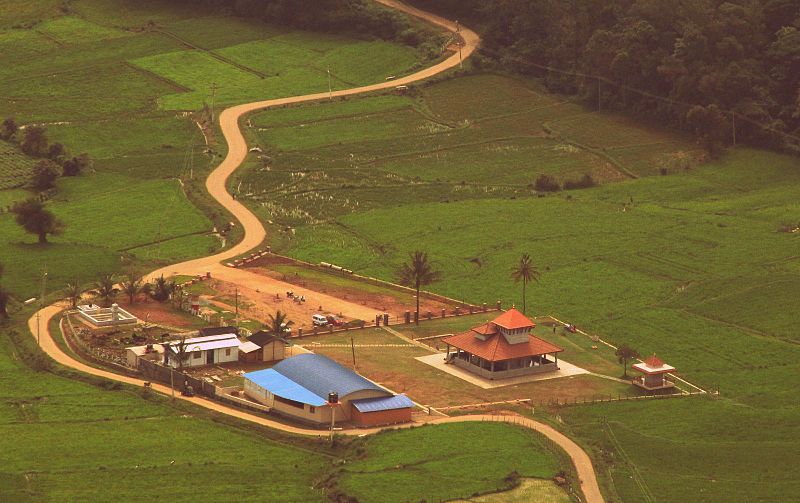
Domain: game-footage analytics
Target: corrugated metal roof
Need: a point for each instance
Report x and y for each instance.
(383, 403)
(278, 384)
(322, 375)
(207, 343)
(248, 347)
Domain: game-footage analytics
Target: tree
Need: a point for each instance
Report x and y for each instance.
(105, 289)
(625, 354)
(417, 272)
(34, 141)
(35, 219)
(710, 126)
(44, 175)
(132, 285)
(5, 297)
(76, 165)
(163, 289)
(56, 151)
(73, 293)
(526, 272)
(277, 326)
(180, 351)
(8, 129)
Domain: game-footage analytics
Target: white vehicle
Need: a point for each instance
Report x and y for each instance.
(319, 320)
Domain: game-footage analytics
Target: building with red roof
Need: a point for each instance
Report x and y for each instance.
(503, 347)
(655, 374)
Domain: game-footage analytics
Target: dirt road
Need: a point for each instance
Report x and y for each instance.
(254, 234)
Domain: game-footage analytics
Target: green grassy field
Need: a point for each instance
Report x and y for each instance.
(692, 266)
(98, 81)
(434, 463)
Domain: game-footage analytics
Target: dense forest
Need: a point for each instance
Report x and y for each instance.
(727, 70)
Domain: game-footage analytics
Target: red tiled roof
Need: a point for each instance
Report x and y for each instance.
(654, 361)
(485, 329)
(496, 348)
(513, 319)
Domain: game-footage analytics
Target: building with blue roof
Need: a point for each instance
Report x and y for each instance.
(299, 387)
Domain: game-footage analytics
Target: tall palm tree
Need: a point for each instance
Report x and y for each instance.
(277, 325)
(73, 293)
(132, 285)
(625, 353)
(526, 272)
(105, 289)
(417, 272)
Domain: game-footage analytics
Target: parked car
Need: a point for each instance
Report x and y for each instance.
(319, 320)
(334, 320)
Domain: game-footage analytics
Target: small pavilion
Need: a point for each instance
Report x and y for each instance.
(655, 374)
(501, 348)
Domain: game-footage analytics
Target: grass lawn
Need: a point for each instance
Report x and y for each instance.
(433, 463)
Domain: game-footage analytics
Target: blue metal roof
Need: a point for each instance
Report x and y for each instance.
(321, 375)
(382, 403)
(280, 385)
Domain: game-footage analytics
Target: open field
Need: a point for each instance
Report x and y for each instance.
(431, 463)
(693, 266)
(97, 77)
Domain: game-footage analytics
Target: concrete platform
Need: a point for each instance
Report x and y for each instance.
(565, 370)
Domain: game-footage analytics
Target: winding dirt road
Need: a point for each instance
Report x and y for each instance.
(254, 234)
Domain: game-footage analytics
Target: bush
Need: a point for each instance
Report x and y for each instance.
(584, 182)
(546, 183)
(44, 175)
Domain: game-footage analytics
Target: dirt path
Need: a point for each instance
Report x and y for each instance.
(254, 235)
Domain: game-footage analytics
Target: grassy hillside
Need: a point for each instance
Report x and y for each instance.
(126, 82)
(694, 266)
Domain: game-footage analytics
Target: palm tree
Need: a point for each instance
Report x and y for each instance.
(73, 293)
(132, 285)
(180, 351)
(526, 272)
(163, 289)
(417, 272)
(626, 353)
(277, 326)
(105, 289)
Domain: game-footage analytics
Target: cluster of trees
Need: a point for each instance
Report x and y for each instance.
(714, 67)
(358, 17)
(132, 285)
(55, 160)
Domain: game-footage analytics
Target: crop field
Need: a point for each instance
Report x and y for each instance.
(96, 79)
(410, 473)
(694, 266)
(15, 167)
(474, 138)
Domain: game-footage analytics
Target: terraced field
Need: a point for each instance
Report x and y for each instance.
(15, 167)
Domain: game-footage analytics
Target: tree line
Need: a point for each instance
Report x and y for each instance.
(716, 68)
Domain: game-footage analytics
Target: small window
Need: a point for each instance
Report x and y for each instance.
(312, 409)
(198, 354)
(228, 352)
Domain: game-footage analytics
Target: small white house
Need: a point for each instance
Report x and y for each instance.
(208, 350)
(149, 352)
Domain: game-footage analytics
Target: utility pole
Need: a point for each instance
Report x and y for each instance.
(330, 87)
(460, 58)
(41, 306)
(213, 96)
(733, 128)
(353, 349)
(237, 307)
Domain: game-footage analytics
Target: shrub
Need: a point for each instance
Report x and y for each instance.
(546, 183)
(584, 182)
